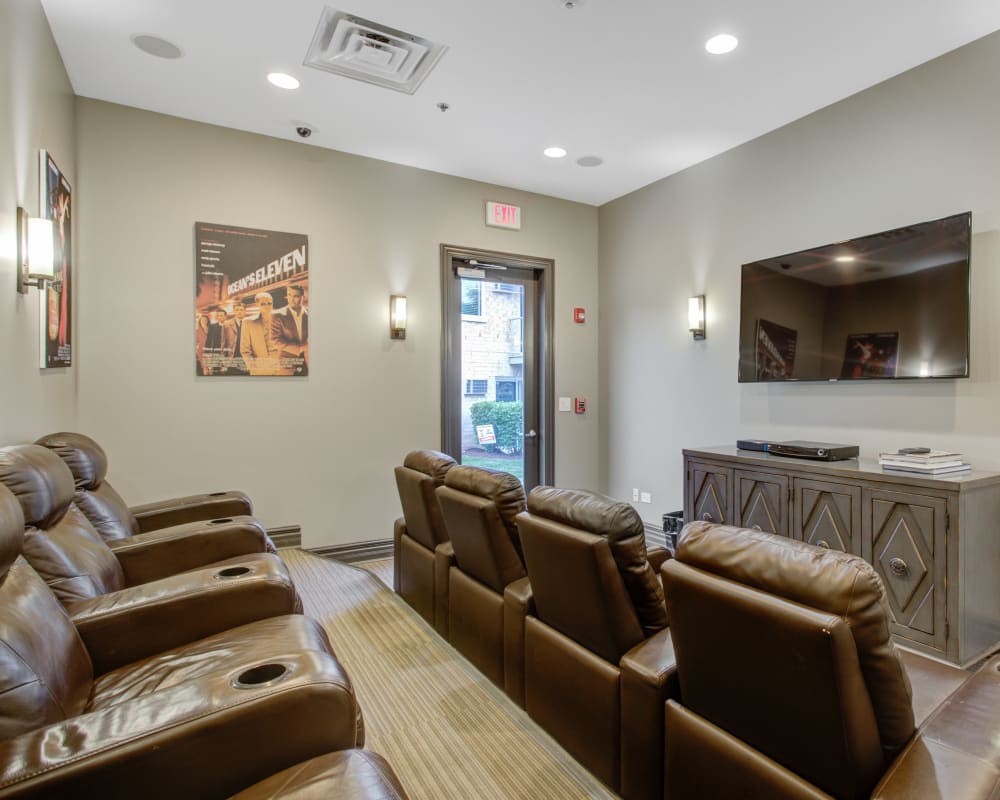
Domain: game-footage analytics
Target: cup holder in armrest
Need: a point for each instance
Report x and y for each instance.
(261, 676)
(222, 521)
(232, 572)
(217, 494)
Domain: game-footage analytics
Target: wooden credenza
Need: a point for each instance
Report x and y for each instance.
(934, 540)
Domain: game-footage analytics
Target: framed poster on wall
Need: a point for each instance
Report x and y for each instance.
(251, 304)
(56, 201)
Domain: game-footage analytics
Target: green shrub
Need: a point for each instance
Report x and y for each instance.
(507, 421)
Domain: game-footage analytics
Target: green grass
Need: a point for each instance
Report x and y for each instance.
(512, 464)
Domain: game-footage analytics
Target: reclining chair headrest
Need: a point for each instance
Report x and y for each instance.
(622, 527)
(502, 488)
(827, 580)
(11, 530)
(85, 458)
(40, 481)
(595, 513)
(430, 462)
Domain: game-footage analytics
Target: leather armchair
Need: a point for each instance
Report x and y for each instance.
(596, 651)
(482, 558)
(114, 519)
(791, 687)
(121, 597)
(418, 532)
(181, 722)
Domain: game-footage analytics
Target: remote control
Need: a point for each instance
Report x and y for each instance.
(913, 451)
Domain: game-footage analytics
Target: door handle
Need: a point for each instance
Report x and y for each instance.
(530, 435)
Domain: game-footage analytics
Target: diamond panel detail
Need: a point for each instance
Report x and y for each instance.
(901, 544)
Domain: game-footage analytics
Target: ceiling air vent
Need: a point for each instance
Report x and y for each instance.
(370, 52)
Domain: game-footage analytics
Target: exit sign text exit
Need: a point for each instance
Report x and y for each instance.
(501, 215)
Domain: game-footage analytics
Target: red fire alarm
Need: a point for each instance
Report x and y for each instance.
(580, 405)
(579, 315)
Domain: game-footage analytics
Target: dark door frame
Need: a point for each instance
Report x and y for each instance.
(544, 270)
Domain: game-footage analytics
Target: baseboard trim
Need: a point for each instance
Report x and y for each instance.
(286, 536)
(354, 552)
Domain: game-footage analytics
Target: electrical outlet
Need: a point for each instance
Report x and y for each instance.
(635, 495)
(646, 497)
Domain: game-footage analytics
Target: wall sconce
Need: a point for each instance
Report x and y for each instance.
(397, 316)
(35, 265)
(696, 316)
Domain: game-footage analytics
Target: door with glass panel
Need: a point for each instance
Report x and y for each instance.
(497, 372)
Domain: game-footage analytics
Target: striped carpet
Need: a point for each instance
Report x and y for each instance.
(447, 731)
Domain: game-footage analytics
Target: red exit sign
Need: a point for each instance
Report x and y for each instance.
(502, 215)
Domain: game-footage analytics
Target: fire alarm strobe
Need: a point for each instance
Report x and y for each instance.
(579, 315)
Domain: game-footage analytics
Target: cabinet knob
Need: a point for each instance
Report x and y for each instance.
(707, 516)
(823, 543)
(898, 566)
(757, 528)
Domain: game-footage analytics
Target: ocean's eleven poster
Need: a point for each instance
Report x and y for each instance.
(251, 304)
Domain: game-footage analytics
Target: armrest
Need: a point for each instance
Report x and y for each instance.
(348, 774)
(151, 556)
(193, 508)
(648, 680)
(398, 529)
(145, 747)
(121, 627)
(956, 752)
(444, 560)
(518, 604)
(657, 556)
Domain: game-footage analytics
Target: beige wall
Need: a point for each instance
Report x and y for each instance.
(36, 111)
(320, 451)
(920, 146)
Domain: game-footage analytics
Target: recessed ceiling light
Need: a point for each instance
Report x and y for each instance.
(723, 43)
(155, 46)
(844, 259)
(590, 161)
(555, 152)
(283, 81)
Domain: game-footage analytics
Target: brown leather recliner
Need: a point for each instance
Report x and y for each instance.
(202, 720)
(418, 533)
(592, 634)
(209, 539)
(482, 557)
(109, 513)
(791, 687)
(145, 582)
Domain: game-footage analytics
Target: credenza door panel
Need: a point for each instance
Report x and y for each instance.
(709, 494)
(827, 514)
(761, 501)
(906, 536)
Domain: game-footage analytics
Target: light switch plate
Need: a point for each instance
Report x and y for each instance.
(565, 403)
(646, 497)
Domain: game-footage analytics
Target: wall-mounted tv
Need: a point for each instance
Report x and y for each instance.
(887, 306)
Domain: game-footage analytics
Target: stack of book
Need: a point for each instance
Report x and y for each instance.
(935, 462)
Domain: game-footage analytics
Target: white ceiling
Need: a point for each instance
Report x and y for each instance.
(626, 80)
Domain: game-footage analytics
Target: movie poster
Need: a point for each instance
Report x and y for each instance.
(56, 339)
(251, 304)
(775, 352)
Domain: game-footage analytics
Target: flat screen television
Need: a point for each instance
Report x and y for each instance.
(882, 307)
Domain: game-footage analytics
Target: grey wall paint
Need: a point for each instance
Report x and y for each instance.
(920, 146)
(36, 106)
(319, 451)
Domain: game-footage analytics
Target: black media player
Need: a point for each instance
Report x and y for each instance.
(819, 451)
